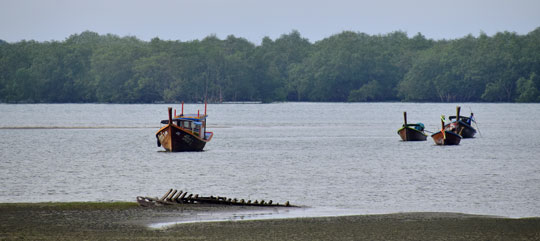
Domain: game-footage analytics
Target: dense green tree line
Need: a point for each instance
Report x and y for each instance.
(348, 66)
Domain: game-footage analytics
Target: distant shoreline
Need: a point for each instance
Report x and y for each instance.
(128, 221)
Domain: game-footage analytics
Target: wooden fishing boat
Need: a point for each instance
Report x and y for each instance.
(446, 137)
(411, 132)
(462, 125)
(184, 132)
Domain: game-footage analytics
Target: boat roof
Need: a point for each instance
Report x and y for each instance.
(194, 117)
(189, 117)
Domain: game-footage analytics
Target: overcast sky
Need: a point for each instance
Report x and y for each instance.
(45, 20)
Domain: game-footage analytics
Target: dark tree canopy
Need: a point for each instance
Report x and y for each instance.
(348, 66)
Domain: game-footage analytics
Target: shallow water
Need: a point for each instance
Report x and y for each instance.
(323, 155)
(252, 214)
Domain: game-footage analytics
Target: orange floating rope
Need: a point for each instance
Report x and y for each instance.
(443, 134)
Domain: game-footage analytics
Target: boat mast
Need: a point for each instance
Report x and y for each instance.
(170, 115)
(443, 131)
(204, 122)
(405, 125)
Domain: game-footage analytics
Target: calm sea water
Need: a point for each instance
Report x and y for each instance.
(331, 156)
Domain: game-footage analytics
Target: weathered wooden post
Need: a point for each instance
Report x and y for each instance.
(166, 194)
(181, 198)
(176, 196)
(169, 198)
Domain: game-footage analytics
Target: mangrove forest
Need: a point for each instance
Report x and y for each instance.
(348, 66)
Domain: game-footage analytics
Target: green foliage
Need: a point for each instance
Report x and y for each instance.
(348, 66)
(371, 91)
(495, 91)
(529, 89)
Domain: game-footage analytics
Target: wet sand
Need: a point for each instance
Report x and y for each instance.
(127, 221)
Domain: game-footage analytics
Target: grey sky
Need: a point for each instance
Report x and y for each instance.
(184, 20)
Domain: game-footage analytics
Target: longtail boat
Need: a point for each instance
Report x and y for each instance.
(462, 124)
(184, 132)
(411, 132)
(446, 137)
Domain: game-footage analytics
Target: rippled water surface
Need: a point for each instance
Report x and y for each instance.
(324, 155)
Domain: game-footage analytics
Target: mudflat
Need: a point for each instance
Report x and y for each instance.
(128, 221)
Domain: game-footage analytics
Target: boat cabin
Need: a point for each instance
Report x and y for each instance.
(195, 124)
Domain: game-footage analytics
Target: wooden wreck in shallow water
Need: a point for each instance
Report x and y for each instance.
(411, 132)
(184, 132)
(175, 197)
